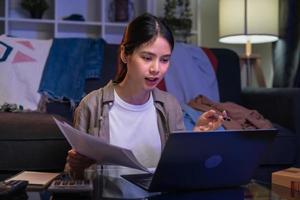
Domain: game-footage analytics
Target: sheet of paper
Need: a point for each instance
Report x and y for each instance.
(97, 149)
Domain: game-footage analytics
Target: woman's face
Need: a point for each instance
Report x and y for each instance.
(148, 63)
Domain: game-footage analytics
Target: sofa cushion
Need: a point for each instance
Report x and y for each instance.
(29, 125)
(31, 141)
(283, 149)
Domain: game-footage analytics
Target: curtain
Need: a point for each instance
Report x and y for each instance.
(287, 49)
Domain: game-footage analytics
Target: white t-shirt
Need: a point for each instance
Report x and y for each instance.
(135, 127)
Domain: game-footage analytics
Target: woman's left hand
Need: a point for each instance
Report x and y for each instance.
(209, 121)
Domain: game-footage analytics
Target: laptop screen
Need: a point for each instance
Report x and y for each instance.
(202, 160)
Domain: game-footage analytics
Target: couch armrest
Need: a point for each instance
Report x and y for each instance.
(280, 105)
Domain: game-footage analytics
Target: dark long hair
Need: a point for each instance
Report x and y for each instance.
(141, 30)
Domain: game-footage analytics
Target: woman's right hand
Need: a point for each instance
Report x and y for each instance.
(78, 162)
(209, 121)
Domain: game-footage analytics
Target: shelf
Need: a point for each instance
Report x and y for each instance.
(98, 19)
(31, 30)
(116, 24)
(85, 23)
(30, 20)
(115, 29)
(113, 34)
(78, 31)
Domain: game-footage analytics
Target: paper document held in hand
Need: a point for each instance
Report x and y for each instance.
(97, 149)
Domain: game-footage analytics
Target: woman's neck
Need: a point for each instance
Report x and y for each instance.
(132, 95)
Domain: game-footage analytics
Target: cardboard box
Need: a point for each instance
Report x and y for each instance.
(284, 193)
(286, 177)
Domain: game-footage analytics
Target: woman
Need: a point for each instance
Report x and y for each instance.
(130, 111)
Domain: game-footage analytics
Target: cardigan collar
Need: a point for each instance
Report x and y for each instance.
(108, 94)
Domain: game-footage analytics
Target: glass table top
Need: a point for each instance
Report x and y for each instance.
(109, 185)
(110, 189)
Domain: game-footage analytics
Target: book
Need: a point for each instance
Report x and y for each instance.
(36, 180)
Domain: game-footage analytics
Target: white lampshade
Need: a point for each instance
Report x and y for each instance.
(242, 21)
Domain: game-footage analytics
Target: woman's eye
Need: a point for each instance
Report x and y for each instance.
(147, 58)
(165, 60)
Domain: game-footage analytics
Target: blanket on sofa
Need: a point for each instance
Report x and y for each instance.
(190, 74)
(239, 116)
(22, 63)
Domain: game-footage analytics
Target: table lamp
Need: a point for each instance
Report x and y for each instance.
(248, 22)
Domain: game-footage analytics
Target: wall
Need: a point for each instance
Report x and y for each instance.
(208, 26)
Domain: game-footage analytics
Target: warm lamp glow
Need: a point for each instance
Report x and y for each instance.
(242, 21)
(247, 22)
(242, 39)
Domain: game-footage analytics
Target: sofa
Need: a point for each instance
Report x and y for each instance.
(32, 141)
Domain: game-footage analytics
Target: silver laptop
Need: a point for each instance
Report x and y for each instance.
(217, 159)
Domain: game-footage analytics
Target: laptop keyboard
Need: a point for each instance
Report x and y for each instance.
(142, 180)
